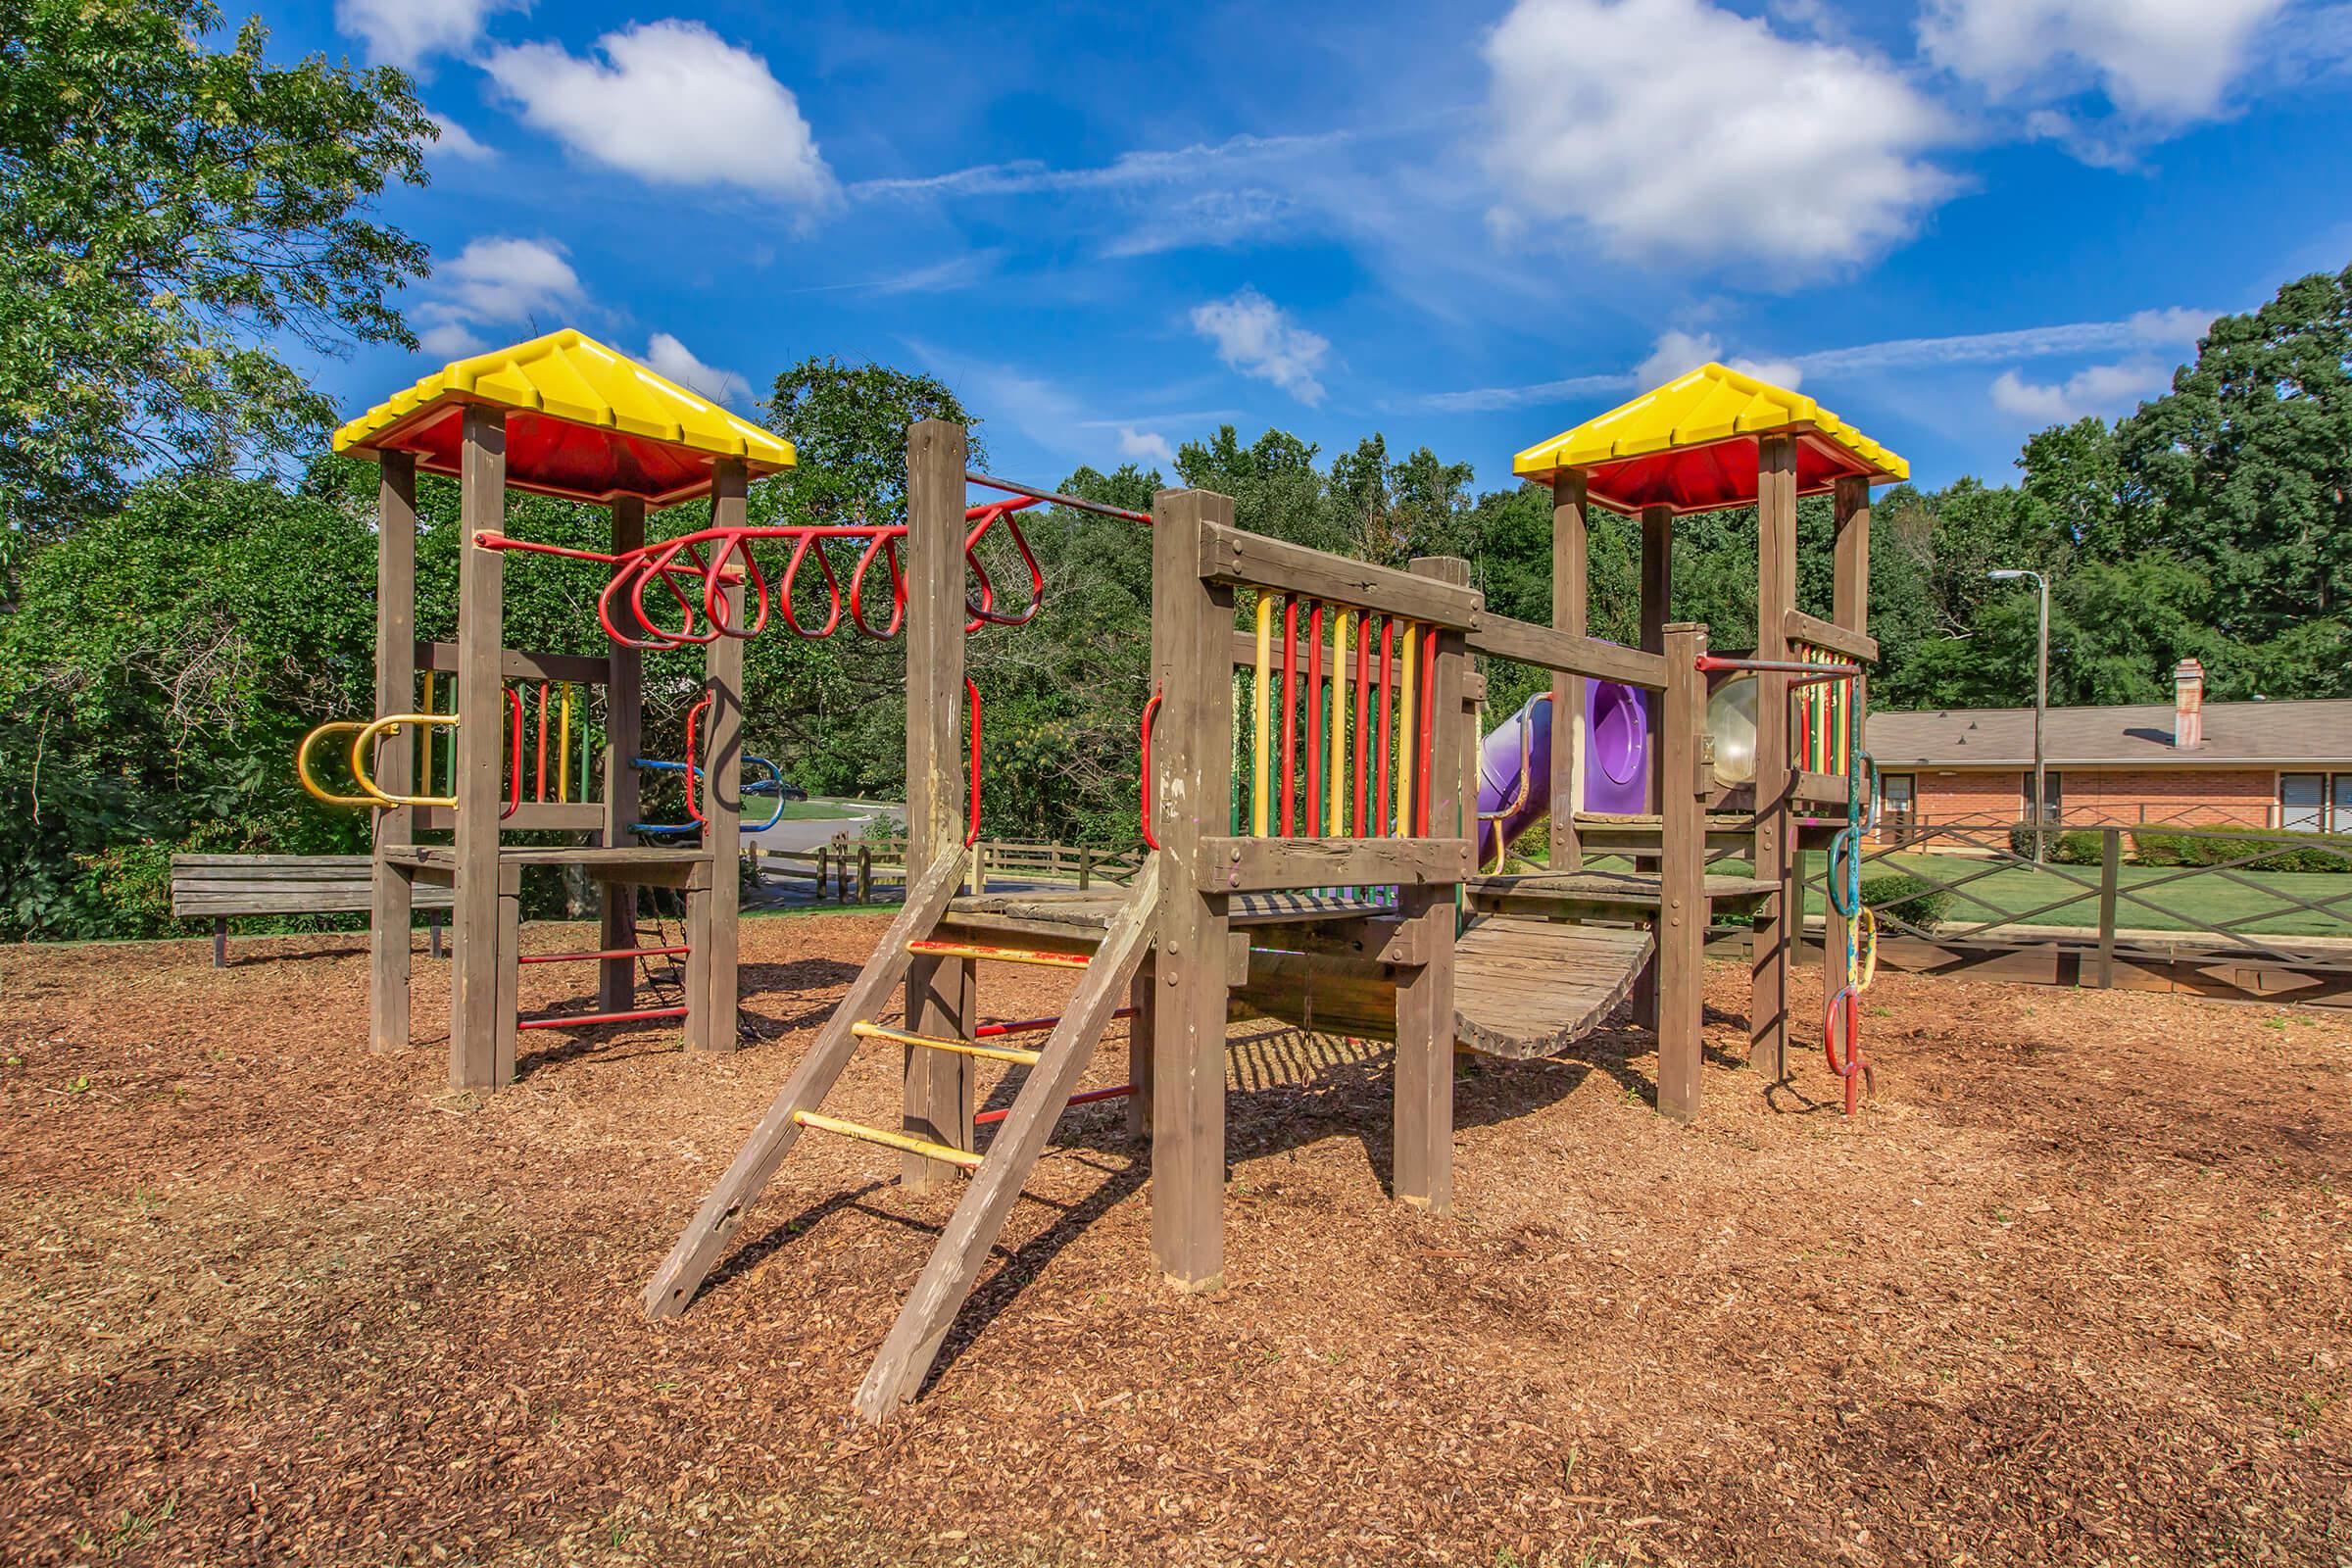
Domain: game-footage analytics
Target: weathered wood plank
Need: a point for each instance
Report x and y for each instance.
(516, 664)
(391, 898)
(481, 727)
(1237, 557)
(1798, 627)
(1248, 864)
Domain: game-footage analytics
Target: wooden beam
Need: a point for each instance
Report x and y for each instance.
(1251, 865)
(1658, 576)
(1191, 781)
(473, 1030)
(1238, 557)
(1798, 627)
(514, 664)
(1679, 967)
(624, 717)
(1422, 1125)
(531, 816)
(1769, 1002)
(715, 1223)
(389, 904)
(937, 1087)
(1549, 647)
(722, 808)
(1569, 566)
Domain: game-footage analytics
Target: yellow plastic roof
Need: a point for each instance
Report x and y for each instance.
(587, 423)
(1652, 451)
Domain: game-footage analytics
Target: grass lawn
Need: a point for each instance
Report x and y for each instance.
(820, 812)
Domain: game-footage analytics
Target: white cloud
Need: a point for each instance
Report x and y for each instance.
(1148, 445)
(1678, 351)
(403, 32)
(668, 357)
(2105, 390)
(497, 281)
(455, 141)
(1213, 218)
(1675, 128)
(1253, 336)
(673, 103)
(1175, 166)
(2174, 327)
(2160, 61)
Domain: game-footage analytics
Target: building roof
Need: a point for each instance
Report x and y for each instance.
(2293, 734)
(584, 424)
(1692, 444)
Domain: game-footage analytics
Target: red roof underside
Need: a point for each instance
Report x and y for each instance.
(561, 458)
(1709, 478)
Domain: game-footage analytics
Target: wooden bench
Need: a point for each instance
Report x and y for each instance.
(215, 887)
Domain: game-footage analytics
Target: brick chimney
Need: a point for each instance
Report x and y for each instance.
(2189, 705)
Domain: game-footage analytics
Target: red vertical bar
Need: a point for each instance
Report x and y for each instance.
(1289, 713)
(1315, 722)
(1388, 671)
(1363, 710)
(1429, 729)
(542, 796)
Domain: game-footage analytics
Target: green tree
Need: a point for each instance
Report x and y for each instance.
(171, 216)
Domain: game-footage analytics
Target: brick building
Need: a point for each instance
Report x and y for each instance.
(2194, 764)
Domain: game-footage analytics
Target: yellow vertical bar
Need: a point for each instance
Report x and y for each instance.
(1335, 773)
(563, 746)
(1408, 753)
(1260, 717)
(425, 774)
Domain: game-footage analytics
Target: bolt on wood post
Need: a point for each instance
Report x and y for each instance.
(1192, 754)
(1569, 615)
(391, 899)
(473, 1025)
(1777, 857)
(941, 994)
(624, 720)
(1681, 924)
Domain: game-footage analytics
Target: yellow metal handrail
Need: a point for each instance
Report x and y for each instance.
(359, 759)
(309, 780)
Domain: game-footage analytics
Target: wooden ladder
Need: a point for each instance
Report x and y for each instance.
(998, 1173)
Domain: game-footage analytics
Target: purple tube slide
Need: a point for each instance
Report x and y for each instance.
(1515, 762)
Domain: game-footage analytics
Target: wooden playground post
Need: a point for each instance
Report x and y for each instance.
(1568, 615)
(1192, 750)
(1777, 858)
(1682, 926)
(941, 993)
(1423, 1131)
(392, 895)
(716, 941)
(476, 1027)
(624, 686)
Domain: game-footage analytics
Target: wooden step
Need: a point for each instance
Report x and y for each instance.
(905, 1142)
(974, 949)
(961, 1047)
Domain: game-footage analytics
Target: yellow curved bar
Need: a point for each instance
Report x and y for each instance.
(1408, 753)
(1259, 745)
(1334, 771)
(390, 725)
(309, 780)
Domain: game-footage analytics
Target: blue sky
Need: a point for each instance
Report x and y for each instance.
(1113, 228)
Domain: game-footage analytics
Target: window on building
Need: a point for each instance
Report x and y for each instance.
(1898, 793)
(2339, 804)
(2053, 796)
(2303, 802)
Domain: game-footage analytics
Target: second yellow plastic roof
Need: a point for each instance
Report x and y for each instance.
(1710, 405)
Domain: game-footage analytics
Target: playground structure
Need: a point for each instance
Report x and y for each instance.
(560, 415)
(1347, 897)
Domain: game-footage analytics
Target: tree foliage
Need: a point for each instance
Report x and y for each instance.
(171, 216)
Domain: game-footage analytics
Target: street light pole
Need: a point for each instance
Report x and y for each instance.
(2042, 697)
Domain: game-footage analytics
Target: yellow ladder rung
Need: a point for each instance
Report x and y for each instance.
(907, 1142)
(969, 949)
(961, 1047)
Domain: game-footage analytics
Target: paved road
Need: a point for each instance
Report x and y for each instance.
(808, 835)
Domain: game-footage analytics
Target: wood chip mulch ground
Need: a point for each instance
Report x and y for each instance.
(2072, 1291)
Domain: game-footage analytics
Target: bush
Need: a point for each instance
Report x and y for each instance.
(2081, 846)
(2293, 851)
(1906, 898)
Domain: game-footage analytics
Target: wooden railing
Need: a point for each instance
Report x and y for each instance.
(850, 871)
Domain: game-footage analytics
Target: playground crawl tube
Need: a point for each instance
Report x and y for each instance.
(1515, 762)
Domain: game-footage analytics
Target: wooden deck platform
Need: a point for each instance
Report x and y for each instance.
(1599, 895)
(1523, 987)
